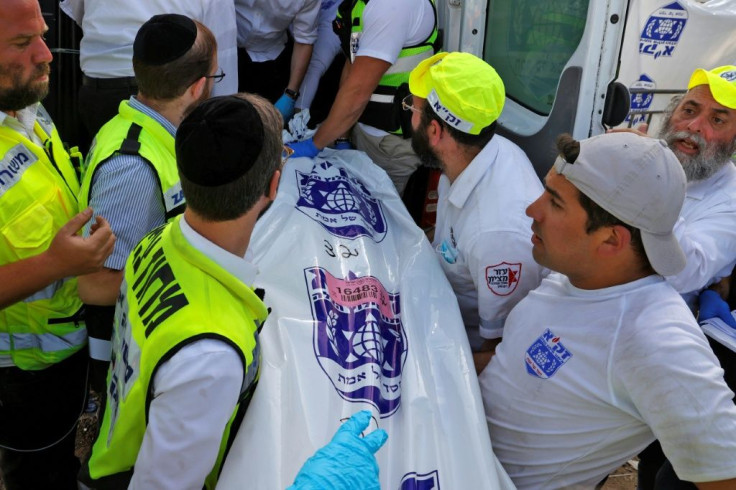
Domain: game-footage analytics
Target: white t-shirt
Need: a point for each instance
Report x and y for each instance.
(195, 393)
(706, 231)
(585, 379)
(109, 28)
(389, 26)
(262, 25)
(481, 222)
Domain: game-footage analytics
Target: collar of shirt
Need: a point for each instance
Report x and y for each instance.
(701, 188)
(237, 266)
(462, 188)
(140, 106)
(23, 122)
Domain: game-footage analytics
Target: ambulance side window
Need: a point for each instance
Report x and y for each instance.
(529, 42)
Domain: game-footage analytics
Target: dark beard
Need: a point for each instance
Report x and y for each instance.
(711, 157)
(21, 96)
(420, 145)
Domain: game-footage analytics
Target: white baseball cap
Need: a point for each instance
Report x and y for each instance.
(639, 181)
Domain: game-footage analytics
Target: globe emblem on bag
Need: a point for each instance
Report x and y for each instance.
(367, 342)
(341, 200)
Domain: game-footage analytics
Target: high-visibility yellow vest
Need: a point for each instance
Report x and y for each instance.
(384, 109)
(38, 189)
(172, 295)
(132, 132)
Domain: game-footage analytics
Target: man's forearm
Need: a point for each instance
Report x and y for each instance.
(100, 288)
(23, 278)
(299, 63)
(355, 92)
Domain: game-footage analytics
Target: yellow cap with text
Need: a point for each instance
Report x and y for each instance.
(722, 82)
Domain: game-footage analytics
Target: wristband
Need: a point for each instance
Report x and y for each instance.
(293, 94)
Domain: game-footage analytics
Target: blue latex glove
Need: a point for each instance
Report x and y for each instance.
(343, 144)
(347, 462)
(712, 305)
(304, 148)
(285, 106)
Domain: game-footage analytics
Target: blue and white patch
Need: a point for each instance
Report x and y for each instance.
(359, 340)
(728, 76)
(452, 119)
(663, 30)
(641, 101)
(340, 203)
(13, 165)
(420, 481)
(546, 355)
(174, 197)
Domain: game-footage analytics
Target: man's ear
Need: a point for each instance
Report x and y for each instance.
(273, 186)
(434, 132)
(197, 88)
(615, 239)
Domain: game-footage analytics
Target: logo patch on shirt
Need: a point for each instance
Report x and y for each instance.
(15, 162)
(503, 278)
(359, 340)
(546, 355)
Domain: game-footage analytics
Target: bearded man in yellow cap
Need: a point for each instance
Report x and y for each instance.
(700, 128)
(482, 238)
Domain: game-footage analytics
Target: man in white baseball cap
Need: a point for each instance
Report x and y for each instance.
(605, 356)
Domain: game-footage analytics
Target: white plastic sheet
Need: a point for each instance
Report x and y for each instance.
(666, 40)
(362, 318)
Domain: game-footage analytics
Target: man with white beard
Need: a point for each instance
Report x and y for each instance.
(700, 128)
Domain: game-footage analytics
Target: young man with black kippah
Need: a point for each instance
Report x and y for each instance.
(186, 350)
(131, 169)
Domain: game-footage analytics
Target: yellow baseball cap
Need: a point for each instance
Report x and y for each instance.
(722, 82)
(465, 91)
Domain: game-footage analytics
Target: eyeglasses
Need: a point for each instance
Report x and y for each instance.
(406, 104)
(285, 154)
(218, 77)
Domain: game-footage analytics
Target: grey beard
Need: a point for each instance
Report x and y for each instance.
(711, 157)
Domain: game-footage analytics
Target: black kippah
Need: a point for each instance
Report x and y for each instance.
(219, 141)
(164, 38)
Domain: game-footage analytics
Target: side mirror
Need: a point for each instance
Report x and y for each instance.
(617, 105)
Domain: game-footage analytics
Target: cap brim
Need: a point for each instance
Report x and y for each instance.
(722, 91)
(419, 83)
(664, 253)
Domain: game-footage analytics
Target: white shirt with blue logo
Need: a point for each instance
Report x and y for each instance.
(483, 237)
(586, 379)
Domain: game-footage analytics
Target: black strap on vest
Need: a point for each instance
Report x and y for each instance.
(131, 145)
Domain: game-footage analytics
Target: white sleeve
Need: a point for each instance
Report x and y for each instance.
(709, 244)
(503, 271)
(195, 393)
(304, 25)
(325, 50)
(676, 386)
(74, 9)
(219, 17)
(388, 26)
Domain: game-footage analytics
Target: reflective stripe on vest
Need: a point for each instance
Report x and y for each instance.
(172, 295)
(38, 187)
(132, 132)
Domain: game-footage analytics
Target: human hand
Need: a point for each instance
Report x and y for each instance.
(304, 148)
(713, 306)
(641, 130)
(347, 462)
(74, 255)
(285, 105)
